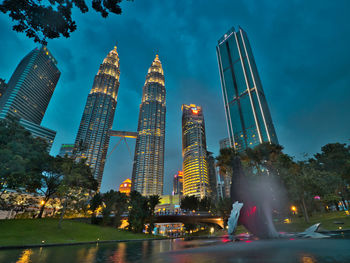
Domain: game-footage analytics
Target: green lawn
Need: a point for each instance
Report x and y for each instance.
(326, 219)
(34, 231)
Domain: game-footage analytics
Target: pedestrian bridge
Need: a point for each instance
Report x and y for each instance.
(190, 219)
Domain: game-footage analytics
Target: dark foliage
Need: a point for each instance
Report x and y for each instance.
(42, 20)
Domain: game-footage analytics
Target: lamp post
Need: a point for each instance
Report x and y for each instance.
(294, 209)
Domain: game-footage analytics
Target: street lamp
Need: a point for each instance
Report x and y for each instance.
(294, 209)
(211, 230)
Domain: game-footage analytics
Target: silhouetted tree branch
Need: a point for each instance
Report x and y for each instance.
(42, 20)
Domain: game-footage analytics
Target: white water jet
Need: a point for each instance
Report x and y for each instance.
(311, 232)
(233, 219)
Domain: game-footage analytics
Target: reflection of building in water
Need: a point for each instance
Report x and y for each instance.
(25, 257)
(170, 229)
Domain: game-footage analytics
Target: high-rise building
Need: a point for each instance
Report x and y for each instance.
(212, 175)
(248, 117)
(221, 188)
(225, 143)
(29, 91)
(3, 87)
(224, 177)
(125, 187)
(194, 152)
(93, 135)
(66, 149)
(178, 183)
(148, 169)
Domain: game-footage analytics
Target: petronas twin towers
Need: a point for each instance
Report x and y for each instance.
(148, 170)
(94, 131)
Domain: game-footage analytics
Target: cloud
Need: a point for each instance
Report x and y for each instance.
(300, 48)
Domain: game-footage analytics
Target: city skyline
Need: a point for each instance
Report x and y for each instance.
(297, 89)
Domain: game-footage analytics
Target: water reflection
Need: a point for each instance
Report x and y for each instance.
(205, 250)
(308, 259)
(25, 257)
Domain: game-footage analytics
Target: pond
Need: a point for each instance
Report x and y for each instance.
(199, 250)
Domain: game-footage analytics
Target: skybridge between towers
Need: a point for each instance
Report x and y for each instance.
(123, 135)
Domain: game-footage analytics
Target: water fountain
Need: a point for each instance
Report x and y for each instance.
(256, 199)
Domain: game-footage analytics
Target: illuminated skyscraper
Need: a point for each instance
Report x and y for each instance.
(93, 135)
(148, 169)
(29, 92)
(178, 183)
(248, 117)
(194, 152)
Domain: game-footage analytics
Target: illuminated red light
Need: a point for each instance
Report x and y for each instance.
(248, 241)
(194, 110)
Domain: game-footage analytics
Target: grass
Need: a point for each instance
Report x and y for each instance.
(33, 231)
(326, 219)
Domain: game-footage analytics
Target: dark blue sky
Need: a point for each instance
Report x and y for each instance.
(301, 50)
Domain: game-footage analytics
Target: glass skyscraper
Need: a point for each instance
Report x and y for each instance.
(248, 117)
(29, 92)
(194, 152)
(93, 135)
(148, 169)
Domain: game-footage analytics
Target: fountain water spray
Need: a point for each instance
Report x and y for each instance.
(233, 219)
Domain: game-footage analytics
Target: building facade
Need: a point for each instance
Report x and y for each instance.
(225, 143)
(194, 152)
(93, 135)
(148, 168)
(29, 92)
(224, 177)
(248, 117)
(66, 149)
(3, 87)
(178, 183)
(125, 187)
(212, 175)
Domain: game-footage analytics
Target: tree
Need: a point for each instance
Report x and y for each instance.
(138, 211)
(95, 203)
(303, 181)
(115, 204)
(190, 202)
(77, 179)
(224, 208)
(51, 181)
(205, 204)
(22, 158)
(225, 159)
(261, 159)
(42, 20)
(153, 200)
